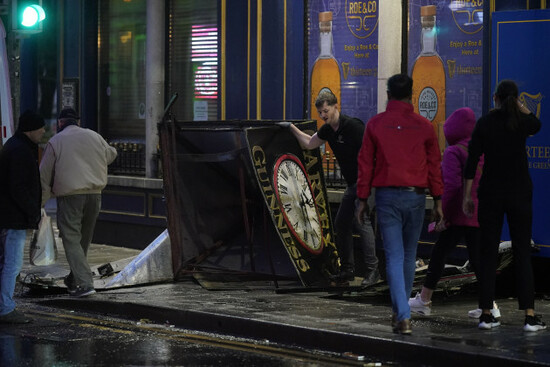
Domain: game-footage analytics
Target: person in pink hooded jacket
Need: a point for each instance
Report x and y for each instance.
(454, 225)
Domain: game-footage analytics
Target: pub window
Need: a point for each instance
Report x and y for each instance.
(121, 42)
(193, 59)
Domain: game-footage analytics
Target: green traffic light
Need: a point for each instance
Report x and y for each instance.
(32, 14)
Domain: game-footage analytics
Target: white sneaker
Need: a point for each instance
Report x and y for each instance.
(417, 305)
(533, 323)
(487, 322)
(475, 314)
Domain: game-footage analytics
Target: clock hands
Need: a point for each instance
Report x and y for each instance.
(296, 194)
(308, 200)
(298, 203)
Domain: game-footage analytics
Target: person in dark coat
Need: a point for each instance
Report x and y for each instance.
(345, 135)
(20, 206)
(505, 190)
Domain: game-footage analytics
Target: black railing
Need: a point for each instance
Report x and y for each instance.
(130, 159)
(331, 169)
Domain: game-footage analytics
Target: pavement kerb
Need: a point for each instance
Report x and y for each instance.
(297, 336)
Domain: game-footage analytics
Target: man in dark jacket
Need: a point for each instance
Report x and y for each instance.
(20, 202)
(344, 134)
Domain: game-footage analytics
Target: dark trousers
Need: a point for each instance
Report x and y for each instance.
(447, 242)
(519, 213)
(344, 224)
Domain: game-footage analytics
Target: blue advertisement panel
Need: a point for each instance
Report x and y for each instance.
(445, 58)
(518, 54)
(343, 55)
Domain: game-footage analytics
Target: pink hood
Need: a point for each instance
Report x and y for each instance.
(459, 126)
(458, 130)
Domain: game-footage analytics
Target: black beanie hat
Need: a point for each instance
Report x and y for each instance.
(30, 121)
(68, 113)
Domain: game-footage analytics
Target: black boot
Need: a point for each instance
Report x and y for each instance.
(343, 277)
(371, 277)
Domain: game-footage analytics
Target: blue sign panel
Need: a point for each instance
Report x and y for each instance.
(519, 53)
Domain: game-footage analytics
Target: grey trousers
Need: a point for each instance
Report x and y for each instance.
(344, 224)
(76, 218)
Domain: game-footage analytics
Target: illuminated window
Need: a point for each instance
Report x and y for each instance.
(193, 59)
(204, 55)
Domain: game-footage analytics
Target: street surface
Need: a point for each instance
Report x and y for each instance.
(273, 326)
(58, 337)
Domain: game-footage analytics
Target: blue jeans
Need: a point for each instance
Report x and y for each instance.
(12, 243)
(400, 217)
(344, 224)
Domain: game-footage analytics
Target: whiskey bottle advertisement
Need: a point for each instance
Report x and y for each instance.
(343, 56)
(326, 72)
(445, 58)
(428, 76)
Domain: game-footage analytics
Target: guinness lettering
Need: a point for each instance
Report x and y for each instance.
(317, 188)
(259, 159)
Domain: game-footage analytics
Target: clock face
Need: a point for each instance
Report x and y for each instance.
(297, 203)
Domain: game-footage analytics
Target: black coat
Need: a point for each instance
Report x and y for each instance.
(20, 191)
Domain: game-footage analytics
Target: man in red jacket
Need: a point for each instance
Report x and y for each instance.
(400, 157)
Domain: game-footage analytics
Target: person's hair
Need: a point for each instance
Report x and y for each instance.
(64, 122)
(507, 94)
(325, 95)
(400, 86)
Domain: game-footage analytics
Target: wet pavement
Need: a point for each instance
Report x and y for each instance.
(58, 337)
(357, 323)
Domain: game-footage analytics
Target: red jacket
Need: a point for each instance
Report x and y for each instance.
(399, 149)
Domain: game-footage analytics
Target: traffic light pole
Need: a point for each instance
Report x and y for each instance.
(7, 103)
(14, 62)
(10, 65)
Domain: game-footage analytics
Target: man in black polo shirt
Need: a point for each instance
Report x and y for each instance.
(345, 135)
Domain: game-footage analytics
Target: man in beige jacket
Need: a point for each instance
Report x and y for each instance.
(74, 170)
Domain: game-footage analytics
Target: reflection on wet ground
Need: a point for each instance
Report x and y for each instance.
(335, 323)
(77, 339)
